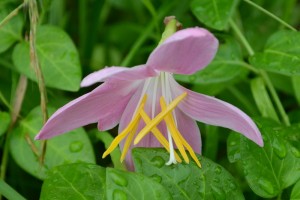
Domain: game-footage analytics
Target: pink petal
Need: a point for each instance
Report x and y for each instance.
(106, 101)
(189, 130)
(120, 73)
(216, 112)
(185, 52)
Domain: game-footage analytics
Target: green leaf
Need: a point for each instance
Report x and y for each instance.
(75, 181)
(296, 191)
(4, 122)
(11, 31)
(186, 181)
(71, 147)
(262, 99)
(274, 167)
(88, 181)
(214, 13)
(58, 59)
(233, 147)
(128, 185)
(281, 54)
(296, 87)
(226, 66)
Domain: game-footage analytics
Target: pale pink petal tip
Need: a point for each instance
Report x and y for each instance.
(185, 52)
(216, 112)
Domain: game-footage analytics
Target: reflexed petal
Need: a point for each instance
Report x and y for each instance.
(189, 130)
(120, 73)
(185, 52)
(216, 112)
(106, 101)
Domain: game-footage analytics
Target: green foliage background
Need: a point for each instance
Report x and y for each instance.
(257, 68)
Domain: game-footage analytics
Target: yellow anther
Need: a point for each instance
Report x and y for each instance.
(159, 136)
(174, 131)
(135, 120)
(128, 142)
(159, 117)
(181, 138)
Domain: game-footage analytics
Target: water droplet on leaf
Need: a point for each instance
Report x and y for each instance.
(158, 161)
(76, 146)
(218, 170)
(119, 195)
(279, 148)
(118, 179)
(266, 186)
(295, 152)
(216, 180)
(156, 178)
(218, 193)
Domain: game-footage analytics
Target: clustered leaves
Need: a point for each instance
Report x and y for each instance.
(257, 68)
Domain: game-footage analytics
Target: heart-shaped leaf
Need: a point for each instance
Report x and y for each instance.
(11, 31)
(281, 54)
(214, 13)
(75, 181)
(187, 181)
(71, 147)
(270, 169)
(58, 59)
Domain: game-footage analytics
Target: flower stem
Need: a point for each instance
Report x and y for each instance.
(8, 192)
(270, 14)
(145, 34)
(11, 15)
(263, 74)
(34, 61)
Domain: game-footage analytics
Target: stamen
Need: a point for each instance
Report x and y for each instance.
(171, 123)
(135, 120)
(159, 117)
(159, 136)
(174, 131)
(128, 142)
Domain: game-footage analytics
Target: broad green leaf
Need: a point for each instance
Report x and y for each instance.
(4, 122)
(281, 54)
(186, 181)
(274, 167)
(226, 66)
(128, 185)
(214, 13)
(296, 191)
(296, 87)
(11, 31)
(262, 99)
(70, 147)
(75, 181)
(58, 59)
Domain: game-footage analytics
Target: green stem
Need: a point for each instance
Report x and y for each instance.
(170, 29)
(11, 15)
(145, 34)
(270, 14)
(8, 192)
(262, 73)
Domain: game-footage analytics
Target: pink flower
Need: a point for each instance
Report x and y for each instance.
(146, 98)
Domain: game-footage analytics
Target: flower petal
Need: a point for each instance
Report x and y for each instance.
(185, 52)
(189, 130)
(216, 112)
(106, 101)
(120, 73)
